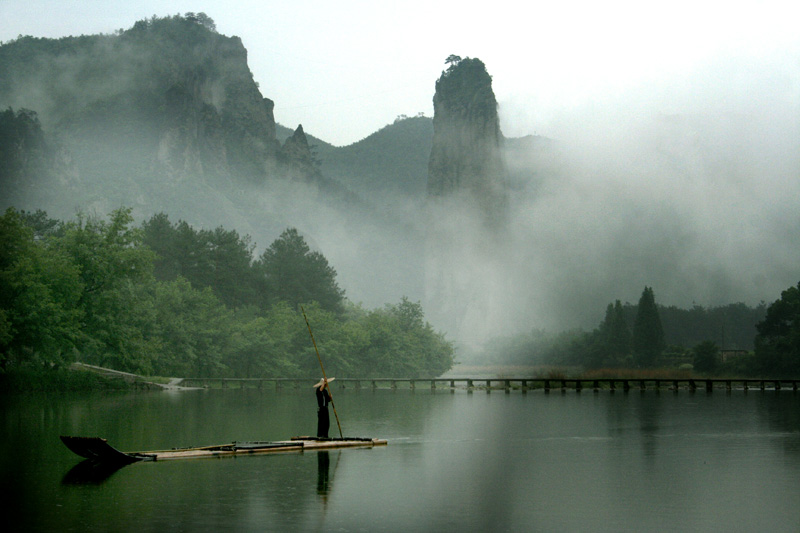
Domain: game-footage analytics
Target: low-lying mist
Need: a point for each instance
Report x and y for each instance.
(703, 208)
(699, 202)
(700, 207)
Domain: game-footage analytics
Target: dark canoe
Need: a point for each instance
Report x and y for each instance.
(99, 450)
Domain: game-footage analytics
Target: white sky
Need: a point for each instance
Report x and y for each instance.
(345, 69)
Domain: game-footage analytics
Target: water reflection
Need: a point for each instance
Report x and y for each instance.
(323, 470)
(89, 472)
(783, 418)
(467, 462)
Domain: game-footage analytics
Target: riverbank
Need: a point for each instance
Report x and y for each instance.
(29, 379)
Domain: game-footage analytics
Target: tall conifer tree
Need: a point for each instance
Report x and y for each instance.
(648, 334)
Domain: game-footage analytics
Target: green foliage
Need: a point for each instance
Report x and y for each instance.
(613, 343)
(194, 331)
(40, 290)
(777, 344)
(295, 274)
(393, 160)
(263, 345)
(452, 60)
(610, 344)
(731, 326)
(219, 259)
(111, 262)
(466, 88)
(86, 289)
(21, 145)
(745, 365)
(648, 333)
(705, 357)
(393, 341)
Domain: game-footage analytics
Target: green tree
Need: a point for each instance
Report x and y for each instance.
(263, 345)
(40, 290)
(705, 357)
(230, 257)
(615, 335)
(334, 339)
(22, 148)
(193, 329)
(295, 274)
(42, 225)
(452, 60)
(397, 341)
(111, 261)
(161, 236)
(777, 343)
(648, 334)
(219, 259)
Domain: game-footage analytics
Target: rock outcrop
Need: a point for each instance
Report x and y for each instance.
(296, 155)
(467, 214)
(466, 159)
(170, 98)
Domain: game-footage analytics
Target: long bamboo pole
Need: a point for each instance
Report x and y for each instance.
(323, 372)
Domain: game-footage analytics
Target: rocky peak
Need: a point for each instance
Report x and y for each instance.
(296, 155)
(465, 157)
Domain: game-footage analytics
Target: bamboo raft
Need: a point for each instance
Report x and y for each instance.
(99, 450)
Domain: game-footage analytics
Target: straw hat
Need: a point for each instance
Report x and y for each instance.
(321, 382)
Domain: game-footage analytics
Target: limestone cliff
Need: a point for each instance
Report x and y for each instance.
(466, 159)
(169, 98)
(466, 224)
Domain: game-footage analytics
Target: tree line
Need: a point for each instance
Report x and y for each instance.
(763, 340)
(164, 298)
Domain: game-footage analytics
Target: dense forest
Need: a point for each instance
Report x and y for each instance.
(732, 339)
(164, 298)
(167, 299)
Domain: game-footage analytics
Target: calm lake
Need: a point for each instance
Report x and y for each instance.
(563, 461)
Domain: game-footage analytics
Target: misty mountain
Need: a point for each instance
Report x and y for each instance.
(166, 117)
(392, 161)
(158, 114)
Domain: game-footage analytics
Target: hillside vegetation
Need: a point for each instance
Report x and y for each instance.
(166, 299)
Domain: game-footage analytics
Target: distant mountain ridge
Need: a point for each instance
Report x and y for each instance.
(395, 159)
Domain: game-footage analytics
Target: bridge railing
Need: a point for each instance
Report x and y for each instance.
(507, 384)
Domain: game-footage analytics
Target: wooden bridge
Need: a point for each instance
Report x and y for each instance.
(506, 384)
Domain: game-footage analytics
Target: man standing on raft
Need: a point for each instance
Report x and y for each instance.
(323, 399)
